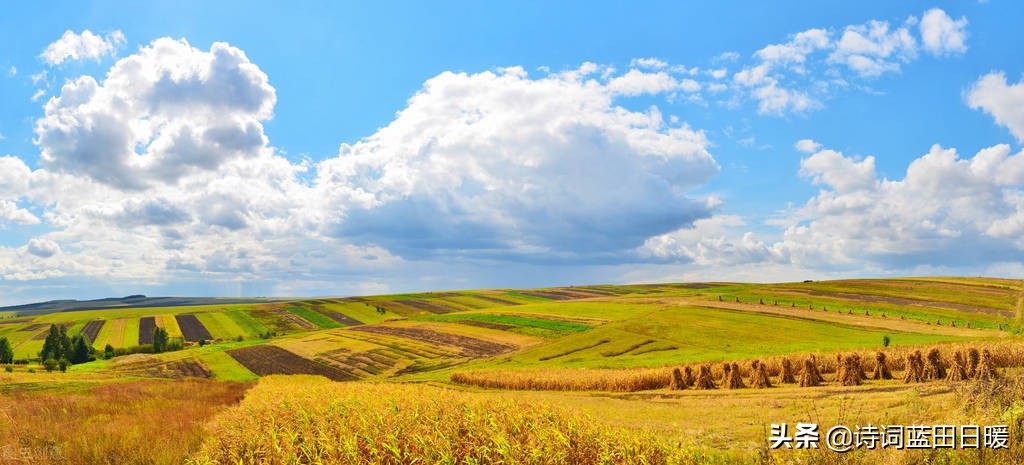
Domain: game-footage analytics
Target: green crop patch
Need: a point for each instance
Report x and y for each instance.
(315, 317)
(546, 328)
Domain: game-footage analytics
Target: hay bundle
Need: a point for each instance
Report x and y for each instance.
(915, 368)
(849, 371)
(881, 368)
(815, 372)
(958, 369)
(986, 369)
(688, 378)
(973, 357)
(935, 368)
(787, 372)
(725, 373)
(704, 378)
(735, 380)
(759, 375)
(809, 375)
(677, 382)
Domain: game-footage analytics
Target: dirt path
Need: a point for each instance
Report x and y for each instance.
(873, 321)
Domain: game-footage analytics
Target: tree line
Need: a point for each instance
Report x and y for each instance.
(61, 350)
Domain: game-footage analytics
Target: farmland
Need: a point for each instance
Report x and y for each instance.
(604, 353)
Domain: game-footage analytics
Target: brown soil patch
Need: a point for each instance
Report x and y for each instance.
(470, 347)
(92, 329)
(429, 305)
(146, 326)
(486, 324)
(494, 300)
(272, 360)
(343, 319)
(192, 328)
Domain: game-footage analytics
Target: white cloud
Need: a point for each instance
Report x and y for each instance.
(773, 99)
(946, 211)
(807, 145)
(941, 35)
(500, 164)
(160, 114)
(711, 242)
(795, 51)
(843, 174)
(648, 63)
(798, 75)
(40, 93)
(636, 82)
(13, 71)
(872, 49)
(84, 46)
(1003, 101)
(44, 248)
(11, 213)
(727, 57)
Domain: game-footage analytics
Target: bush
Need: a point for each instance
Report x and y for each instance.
(50, 364)
(886, 340)
(8, 368)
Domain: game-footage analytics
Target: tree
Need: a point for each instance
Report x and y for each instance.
(50, 364)
(886, 340)
(63, 364)
(81, 350)
(57, 344)
(159, 339)
(6, 352)
(108, 351)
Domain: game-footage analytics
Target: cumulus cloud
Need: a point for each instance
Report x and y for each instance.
(499, 163)
(159, 114)
(1005, 102)
(872, 49)
(11, 213)
(807, 145)
(44, 248)
(946, 211)
(84, 46)
(942, 35)
(650, 63)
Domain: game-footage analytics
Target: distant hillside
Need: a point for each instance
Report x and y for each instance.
(132, 301)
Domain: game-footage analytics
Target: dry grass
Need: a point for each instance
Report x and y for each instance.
(1001, 354)
(303, 419)
(141, 422)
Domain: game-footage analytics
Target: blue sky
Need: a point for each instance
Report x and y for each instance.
(331, 148)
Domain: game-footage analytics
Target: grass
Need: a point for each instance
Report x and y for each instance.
(130, 335)
(168, 323)
(141, 422)
(703, 334)
(314, 317)
(221, 326)
(553, 328)
(247, 323)
(226, 368)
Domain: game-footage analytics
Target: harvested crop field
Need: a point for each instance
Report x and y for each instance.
(294, 319)
(470, 347)
(43, 332)
(92, 329)
(429, 306)
(343, 319)
(146, 326)
(907, 301)
(271, 360)
(192, 329)
(485, 324)
(494, 300)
